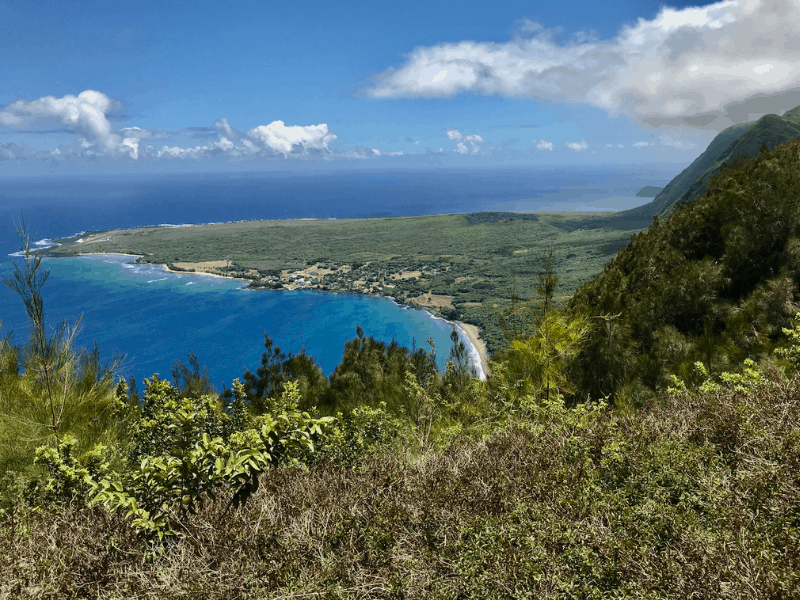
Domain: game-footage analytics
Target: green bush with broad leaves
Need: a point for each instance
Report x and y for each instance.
(181, 465)
(358, 433)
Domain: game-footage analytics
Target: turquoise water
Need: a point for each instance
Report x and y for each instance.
(155, 317)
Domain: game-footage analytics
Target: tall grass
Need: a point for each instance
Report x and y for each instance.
(49, 389)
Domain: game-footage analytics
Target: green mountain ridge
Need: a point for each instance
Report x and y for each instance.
(744, 138)
(769, 130)
(741, 139)
(676, 188)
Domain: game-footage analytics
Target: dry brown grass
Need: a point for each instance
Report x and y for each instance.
(697, 497)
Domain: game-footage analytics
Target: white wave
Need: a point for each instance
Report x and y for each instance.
(45, 243)
(472, 350)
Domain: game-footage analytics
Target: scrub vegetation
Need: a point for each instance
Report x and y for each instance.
(641, 440)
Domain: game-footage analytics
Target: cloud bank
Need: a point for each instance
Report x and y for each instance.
(296, 140)
(85, 113)
(705, 68)
(87, 116)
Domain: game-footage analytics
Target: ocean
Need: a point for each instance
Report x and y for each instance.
(155, 318)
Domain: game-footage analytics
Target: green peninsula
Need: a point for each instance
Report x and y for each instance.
(461, 266)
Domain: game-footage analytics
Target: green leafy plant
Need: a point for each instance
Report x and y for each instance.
(745, 381)
(181, 465)
(358, 433)
(791, 352)
(68, 476)
(535, 365)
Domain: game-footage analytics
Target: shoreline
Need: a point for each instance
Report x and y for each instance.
(477, 350)
(173, 271)
(467, 333)
(470, 334)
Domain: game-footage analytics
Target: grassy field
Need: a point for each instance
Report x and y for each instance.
(464, 266)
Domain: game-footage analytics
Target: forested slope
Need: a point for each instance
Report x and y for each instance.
(715, 282)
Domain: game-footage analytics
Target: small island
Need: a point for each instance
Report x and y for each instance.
(649, 191)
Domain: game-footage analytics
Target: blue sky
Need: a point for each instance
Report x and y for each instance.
(124, 87)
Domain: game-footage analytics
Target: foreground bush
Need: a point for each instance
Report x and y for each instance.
(698, 496)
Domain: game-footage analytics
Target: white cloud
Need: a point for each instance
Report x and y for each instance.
(141, 134)
(223, 125)
(275, 139)
(465, 144)
(705, 67)
(543, 145)
(293, 140)
(577, 146)
(177, 152)
(221, 146)
(640, 145)
(607, 146)
(678, 142)
(225, 144)
(85, 113)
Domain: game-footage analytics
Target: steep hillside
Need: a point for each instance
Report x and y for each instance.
(714, 282)
(744, 138)
(769, 130)
(641, 216)
(684, 181)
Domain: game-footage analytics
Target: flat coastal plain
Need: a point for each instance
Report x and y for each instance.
(464, 267)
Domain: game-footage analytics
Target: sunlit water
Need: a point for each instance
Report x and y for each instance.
(155, 317)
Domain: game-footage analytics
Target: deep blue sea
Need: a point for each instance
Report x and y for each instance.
(154, 317)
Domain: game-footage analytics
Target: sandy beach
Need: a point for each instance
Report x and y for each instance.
(473, 333)
(201, 269)
(108, 254)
